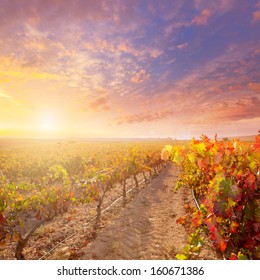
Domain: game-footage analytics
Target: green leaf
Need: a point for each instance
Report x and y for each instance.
(252, 165)
(242, 256)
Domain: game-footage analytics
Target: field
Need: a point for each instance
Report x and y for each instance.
(42, 180)
(75, 199)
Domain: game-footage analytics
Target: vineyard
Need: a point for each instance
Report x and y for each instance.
(61, 200)
(41, 182)
(224, 178)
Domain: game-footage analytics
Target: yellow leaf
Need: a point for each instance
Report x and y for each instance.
(181, 257)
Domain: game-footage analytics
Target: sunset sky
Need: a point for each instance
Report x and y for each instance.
(129, 68)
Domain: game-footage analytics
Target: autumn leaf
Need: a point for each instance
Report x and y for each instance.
(200, 163)
(191, 158)
(242, 256)
(205, 138)
(200, 148)
(177, 154)
(218, 157)
(250, 180)
(181, 220)
(233, 227)
(222, 246)
(257, 144)
(233, 256)
(181, 257)
(38, 216)
(166, 152)
(197, 220)
(231, 202)
(235, 193)
(2, 219)
(212, 232)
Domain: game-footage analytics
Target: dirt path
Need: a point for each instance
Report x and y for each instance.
(147, 228)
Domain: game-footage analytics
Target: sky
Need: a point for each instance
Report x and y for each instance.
(129, 68)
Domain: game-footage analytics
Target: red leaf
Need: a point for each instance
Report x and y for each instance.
(256, 227)
(181, 220)
(200, 163)
(222, 246)
(250, 179)
(38, 216)
(233, 227)
(72, 195)
(233, 257)
(197, 220)
(2, 219)
(257, 144)
(212, 232)
(257, 237)
(218, 157)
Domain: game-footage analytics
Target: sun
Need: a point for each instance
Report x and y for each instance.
(48, 122)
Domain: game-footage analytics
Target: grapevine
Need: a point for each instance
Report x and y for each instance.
(225, 177)
(37, 185)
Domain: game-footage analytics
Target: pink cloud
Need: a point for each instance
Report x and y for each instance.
(256, 16)
(100, 45)
(202, 19)
(100, 102)
(219, 7)
(254, 86)
(120, 46)
(152, 8)
(140, 76)
(182, 46)
(145, 117)
(154, 53)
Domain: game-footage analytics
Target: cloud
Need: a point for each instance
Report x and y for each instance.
(100, 102)
(30, 75)
(220, 6)
(12, 70)
(235, 109)
(140, 76)
(182, 46)
(100, 45)
(222, 89)
(256, 16)
(87, 45)
(8, 97)
(203, 18)
(145, 117)
(3, 94)
(79, 10)
(120, 46)
(154, 53)
(254, 86)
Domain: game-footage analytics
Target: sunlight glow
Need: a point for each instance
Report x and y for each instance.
(48, 122)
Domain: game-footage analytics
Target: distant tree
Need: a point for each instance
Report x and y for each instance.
(225, 139)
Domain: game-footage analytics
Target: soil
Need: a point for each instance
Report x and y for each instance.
(145, 228)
